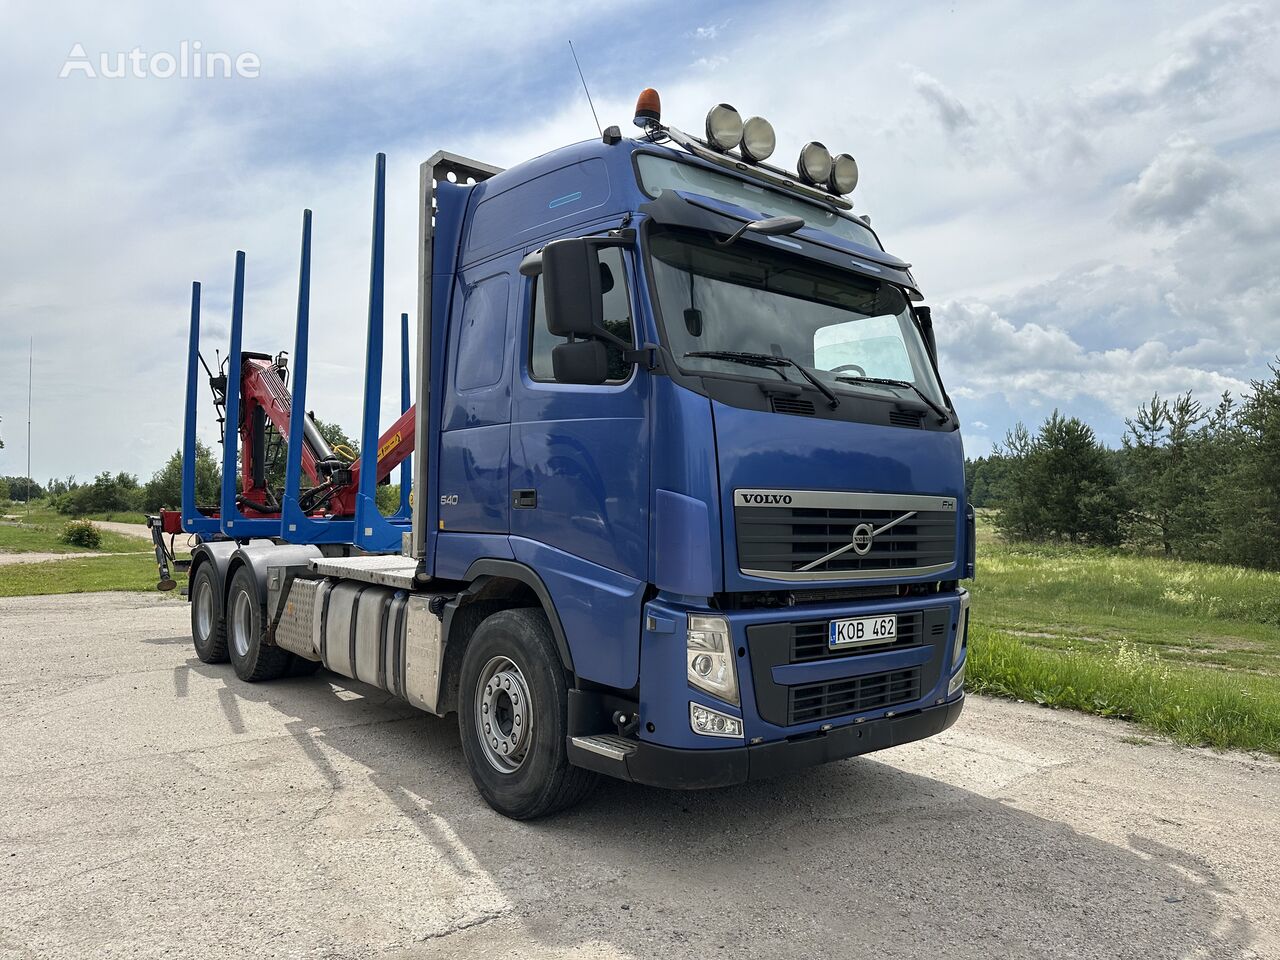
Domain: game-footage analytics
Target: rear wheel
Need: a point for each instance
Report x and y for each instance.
(513, 718)
(208, 625)
(246, 616)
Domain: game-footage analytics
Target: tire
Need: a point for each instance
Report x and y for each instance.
(513, 684)
(208, 622)
(246, 616)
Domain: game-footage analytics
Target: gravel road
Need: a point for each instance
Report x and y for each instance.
(153, 806)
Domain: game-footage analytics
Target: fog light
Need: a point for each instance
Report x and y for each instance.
(957, 682)
(713, 723)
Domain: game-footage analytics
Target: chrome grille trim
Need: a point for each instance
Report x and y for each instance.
(931, 526)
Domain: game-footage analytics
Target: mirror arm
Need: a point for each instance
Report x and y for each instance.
(733, 237)
(531, 265)
(648, 356)
(601, 333)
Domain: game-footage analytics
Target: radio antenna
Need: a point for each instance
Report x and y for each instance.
(584, 88)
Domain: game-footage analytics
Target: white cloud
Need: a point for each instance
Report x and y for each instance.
(991, 356)
(1178, 183)
(951, 113)
(1204, 58)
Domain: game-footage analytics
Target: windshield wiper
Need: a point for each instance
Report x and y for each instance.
(769, 360)
(943, 415)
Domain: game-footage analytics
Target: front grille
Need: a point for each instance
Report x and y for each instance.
(809, 640)
(835, 698)
(805, 641)
(781, 540)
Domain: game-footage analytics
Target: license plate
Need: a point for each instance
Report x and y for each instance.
(861, 631)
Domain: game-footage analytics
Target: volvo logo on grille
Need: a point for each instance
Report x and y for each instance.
(864, 535)
(763, 499)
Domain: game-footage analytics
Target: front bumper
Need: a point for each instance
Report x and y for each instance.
(660, 766)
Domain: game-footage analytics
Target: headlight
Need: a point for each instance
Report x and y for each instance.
(957, 682)
(710, 659)
(962, 632)
(713, 723)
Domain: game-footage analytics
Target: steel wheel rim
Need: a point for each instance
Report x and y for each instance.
(204, 610)
(241, 624)
(504, 715)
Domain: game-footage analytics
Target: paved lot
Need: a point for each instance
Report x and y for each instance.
(154, 806)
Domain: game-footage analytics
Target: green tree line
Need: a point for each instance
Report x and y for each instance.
(1189, 481)
(124, 492)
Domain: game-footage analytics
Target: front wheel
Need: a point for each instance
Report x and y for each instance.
(513, 718)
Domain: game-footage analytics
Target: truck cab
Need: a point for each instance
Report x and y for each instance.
(694, 504)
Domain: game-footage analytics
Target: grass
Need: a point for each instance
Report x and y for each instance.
(132, 572)
(41, 512)
(1190, 650)
(42, 537)
(91, 570)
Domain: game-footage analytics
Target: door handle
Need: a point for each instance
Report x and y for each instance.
(524, 499)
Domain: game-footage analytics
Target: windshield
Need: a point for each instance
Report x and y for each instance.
(662, 173)
(741, 300)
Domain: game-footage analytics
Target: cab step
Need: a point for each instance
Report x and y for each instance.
(608, 745)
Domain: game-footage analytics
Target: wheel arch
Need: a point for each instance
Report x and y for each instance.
(217, 554)
(260, 556)
(495, 585)
(492, 579)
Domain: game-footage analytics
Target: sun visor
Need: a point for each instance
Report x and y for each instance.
(675, 208)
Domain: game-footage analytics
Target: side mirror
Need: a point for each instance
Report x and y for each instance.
(584, 362)
(572, 289)
(924, 317)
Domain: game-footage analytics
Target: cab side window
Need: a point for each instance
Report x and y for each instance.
(617, 320)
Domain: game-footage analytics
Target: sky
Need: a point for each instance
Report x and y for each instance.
(1087, 191)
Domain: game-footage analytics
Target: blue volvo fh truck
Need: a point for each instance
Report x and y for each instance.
(688, 496)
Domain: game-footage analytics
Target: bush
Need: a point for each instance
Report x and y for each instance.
(106, 494)
(81, 533)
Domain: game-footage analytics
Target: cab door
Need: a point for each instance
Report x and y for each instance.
(475, 440)
(580, 454)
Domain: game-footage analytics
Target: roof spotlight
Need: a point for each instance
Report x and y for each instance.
(844, 174)
(724, 127)
(758, 139)
(814, 164)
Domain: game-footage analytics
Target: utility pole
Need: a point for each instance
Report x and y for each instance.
(31, 348)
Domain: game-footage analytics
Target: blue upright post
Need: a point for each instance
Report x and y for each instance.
(231, 434)
(290, 513)
(193, 521)
(367, 516)
(295, 525)
(232, 522)
(406, 468)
